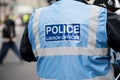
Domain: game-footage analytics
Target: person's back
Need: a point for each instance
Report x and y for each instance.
(70, 41)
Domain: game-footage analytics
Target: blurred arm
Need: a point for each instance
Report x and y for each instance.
(113, 31)
(26, 48)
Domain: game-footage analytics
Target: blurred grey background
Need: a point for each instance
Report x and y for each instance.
(12, 68)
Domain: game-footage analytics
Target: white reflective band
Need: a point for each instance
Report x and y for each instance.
(35, 27)
(70, 51)
(93, 21)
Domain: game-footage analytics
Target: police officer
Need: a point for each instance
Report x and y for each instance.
(69, 40)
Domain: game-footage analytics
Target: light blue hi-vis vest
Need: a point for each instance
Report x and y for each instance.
(69, 41)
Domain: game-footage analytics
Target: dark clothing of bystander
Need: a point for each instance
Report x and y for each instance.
(8, 34)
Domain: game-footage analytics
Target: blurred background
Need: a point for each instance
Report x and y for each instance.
(19, 11)
(17, 8)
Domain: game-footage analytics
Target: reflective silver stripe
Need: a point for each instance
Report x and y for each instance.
(35, 28)
(70, 51)
(93, 27)
(36, 53)
(109, 76)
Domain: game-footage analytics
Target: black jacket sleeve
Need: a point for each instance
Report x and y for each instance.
(113, 31)
(25, 48)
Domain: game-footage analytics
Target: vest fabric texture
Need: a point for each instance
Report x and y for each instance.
(69, 40)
